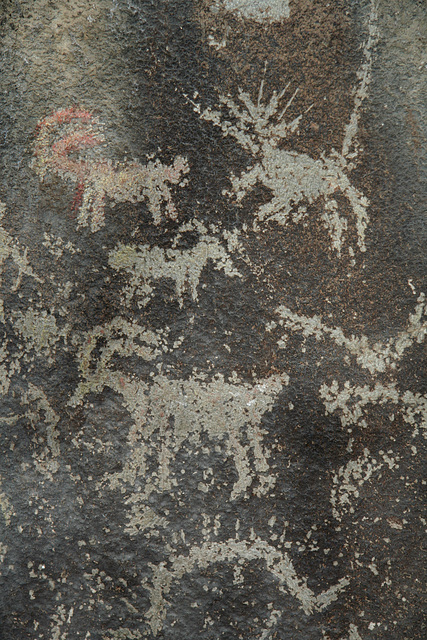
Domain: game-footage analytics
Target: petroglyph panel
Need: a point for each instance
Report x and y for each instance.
(212, 321)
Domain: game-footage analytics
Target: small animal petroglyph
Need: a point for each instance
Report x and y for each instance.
(97, 178)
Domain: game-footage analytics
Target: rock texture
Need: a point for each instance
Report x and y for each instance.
(212, 319)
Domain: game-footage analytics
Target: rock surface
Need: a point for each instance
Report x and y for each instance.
(212, 317)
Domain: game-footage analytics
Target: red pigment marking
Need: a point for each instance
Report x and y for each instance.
(67, 115)
(64, 116)
(74, 142)
(57, 155)
(78, 197)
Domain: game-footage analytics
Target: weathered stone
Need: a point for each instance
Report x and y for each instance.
(212, 317)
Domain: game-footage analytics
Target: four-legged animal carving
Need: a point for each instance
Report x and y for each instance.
(293, 178)
(95, 179)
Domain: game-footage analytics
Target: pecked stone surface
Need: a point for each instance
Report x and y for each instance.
(212, 314)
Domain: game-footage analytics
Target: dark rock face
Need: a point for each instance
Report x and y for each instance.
(212, 317)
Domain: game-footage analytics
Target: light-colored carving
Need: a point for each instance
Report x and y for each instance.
(376, 358)
(40, 331)
(146, 264)
(5, 506)
(118, 338)
(296, 178)
(264, 11)
(278, 564)
(10, 248)
(40, 412)
(169, 413)
(349, 479)
(61, 140)
(351, 401)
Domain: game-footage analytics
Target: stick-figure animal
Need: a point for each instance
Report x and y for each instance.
(293, 178)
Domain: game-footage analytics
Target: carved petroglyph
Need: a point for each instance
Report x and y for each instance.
(70, 132)
(364, 76)
(351, 403)
(5, 506)
(167, 413)
(353, 634)
(292, 177)
(123, 633)
(3, 549)
(40, 331)
(146, 264)
(10, 249)
(278, 564)
(57, 247)
(6, 369)
(117, 338)
(376, 358)
(227, 444)
(266, 11)
(60, 620)
(170, 414)
(296, 178)
(40, 412)
(347, 482)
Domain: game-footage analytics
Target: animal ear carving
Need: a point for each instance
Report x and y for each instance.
(61, 141)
